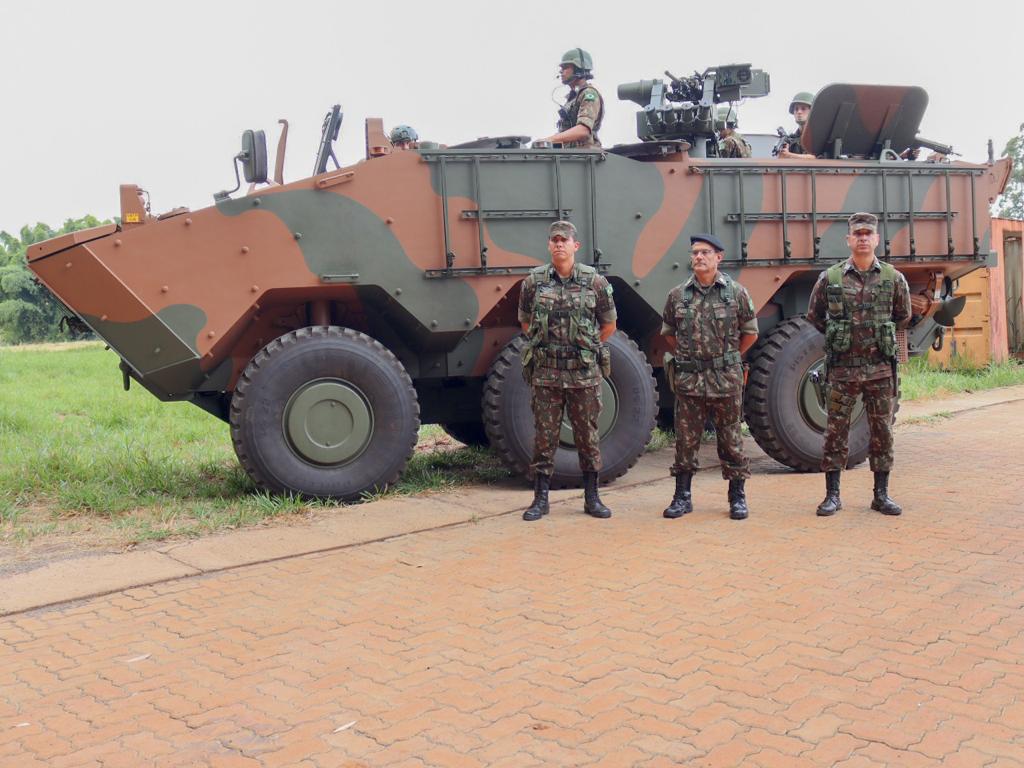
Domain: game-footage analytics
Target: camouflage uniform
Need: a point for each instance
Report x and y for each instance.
(565, 317)
(734, 145)
(862, 369)
(708, 375)
(583, 107)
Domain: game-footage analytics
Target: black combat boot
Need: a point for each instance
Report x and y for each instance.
(882, 503)
(539, 508)
(591, 500)
(831, 504)
(681, 503)
(737, 499)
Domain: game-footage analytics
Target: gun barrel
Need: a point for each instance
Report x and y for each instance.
(934, 146)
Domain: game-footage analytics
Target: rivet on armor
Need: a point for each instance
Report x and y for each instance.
(671, 170)
(433, 323)
(497, 288)
(389, 220)
(245, 249)
(675, 265)
(255, 288)
(636, 282)
(156, 351)
(298, 235)
(638, 215)
(68, 265)
(117, 243)
(257, 201)
(210, 335)
(467, 321)
(398, 291)
(188, 222)
(164, 289)
(103, 318)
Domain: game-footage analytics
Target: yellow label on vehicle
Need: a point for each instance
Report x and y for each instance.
(132, 218)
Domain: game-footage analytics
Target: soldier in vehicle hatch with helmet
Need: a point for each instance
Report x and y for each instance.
(580, 119)
(859, 304)
(404, 137)
(730, 142)
(800, 109)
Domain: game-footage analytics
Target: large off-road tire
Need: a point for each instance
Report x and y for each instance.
(324, 412)
(785, 409)
(629, 405)
(468, 432)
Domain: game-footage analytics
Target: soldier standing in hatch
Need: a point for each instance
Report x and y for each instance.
(859, 304)
(800, 109)
(567, 312)
(580, 119)
(404, 137)
(730, 142)
(709, 323)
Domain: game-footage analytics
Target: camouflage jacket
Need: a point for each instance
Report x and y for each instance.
(583, 107)
(863, 361)
(565, 317)
(707, 324)
(734, 145)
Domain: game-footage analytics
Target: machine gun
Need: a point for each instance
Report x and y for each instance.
(684, 108)
(784, 139)
(328, 135)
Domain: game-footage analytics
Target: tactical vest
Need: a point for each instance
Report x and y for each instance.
(840, 325)
(570, 113)
(726, 327)
(584, 334)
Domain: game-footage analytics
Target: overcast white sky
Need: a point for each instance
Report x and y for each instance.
(103, 92)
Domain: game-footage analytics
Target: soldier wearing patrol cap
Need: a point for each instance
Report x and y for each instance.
(567, 312)
(581, 117)
(859, 304)
(709, 323)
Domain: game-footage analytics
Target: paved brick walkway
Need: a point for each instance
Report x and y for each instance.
(786, 640)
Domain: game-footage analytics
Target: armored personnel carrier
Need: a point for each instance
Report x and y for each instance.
(326, 318)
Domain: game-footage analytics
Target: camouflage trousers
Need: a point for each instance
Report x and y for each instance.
(726, 413)
(878, 405)
(583, 406)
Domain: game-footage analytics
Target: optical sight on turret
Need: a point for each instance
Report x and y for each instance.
(683, 109)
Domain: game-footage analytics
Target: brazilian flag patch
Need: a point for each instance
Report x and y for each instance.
(589, 96)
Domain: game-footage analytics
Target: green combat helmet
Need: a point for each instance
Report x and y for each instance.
(804, 97)
(403, 133)
(579, 59)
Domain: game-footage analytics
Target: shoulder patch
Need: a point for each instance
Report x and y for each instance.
(608, 289)
(590, 96)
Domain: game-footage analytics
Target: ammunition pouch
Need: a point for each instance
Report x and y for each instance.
(604, 357)
(838, 336)
(670, 371)
(692, 365)
(885, 333)
(528, 363)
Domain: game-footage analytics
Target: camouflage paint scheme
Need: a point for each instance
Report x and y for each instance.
(188, 298)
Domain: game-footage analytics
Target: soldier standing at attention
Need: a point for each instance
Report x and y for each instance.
(709, 323)
(800, 109)
(580, 119)
(859, 304)
(566, 311)
(730, 142)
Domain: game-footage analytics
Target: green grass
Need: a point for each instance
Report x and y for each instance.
(79, 453)
(919, 382)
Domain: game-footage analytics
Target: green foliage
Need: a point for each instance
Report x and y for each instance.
(27, 311)
(918, 381)
(1010, 204)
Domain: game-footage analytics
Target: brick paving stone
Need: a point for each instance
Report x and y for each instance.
(788, 641)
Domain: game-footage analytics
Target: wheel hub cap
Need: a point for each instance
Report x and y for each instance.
(328, 422)
(813, 399)
(605, 422)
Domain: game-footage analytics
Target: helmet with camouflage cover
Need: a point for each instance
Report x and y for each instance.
(727, 117)
(804, 97)
(403, 133)
(579, 59)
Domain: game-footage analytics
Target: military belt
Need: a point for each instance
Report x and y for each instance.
(856, 362)
(692, 365)
(558, 350)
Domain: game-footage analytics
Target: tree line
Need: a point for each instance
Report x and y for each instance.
(28, 313)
